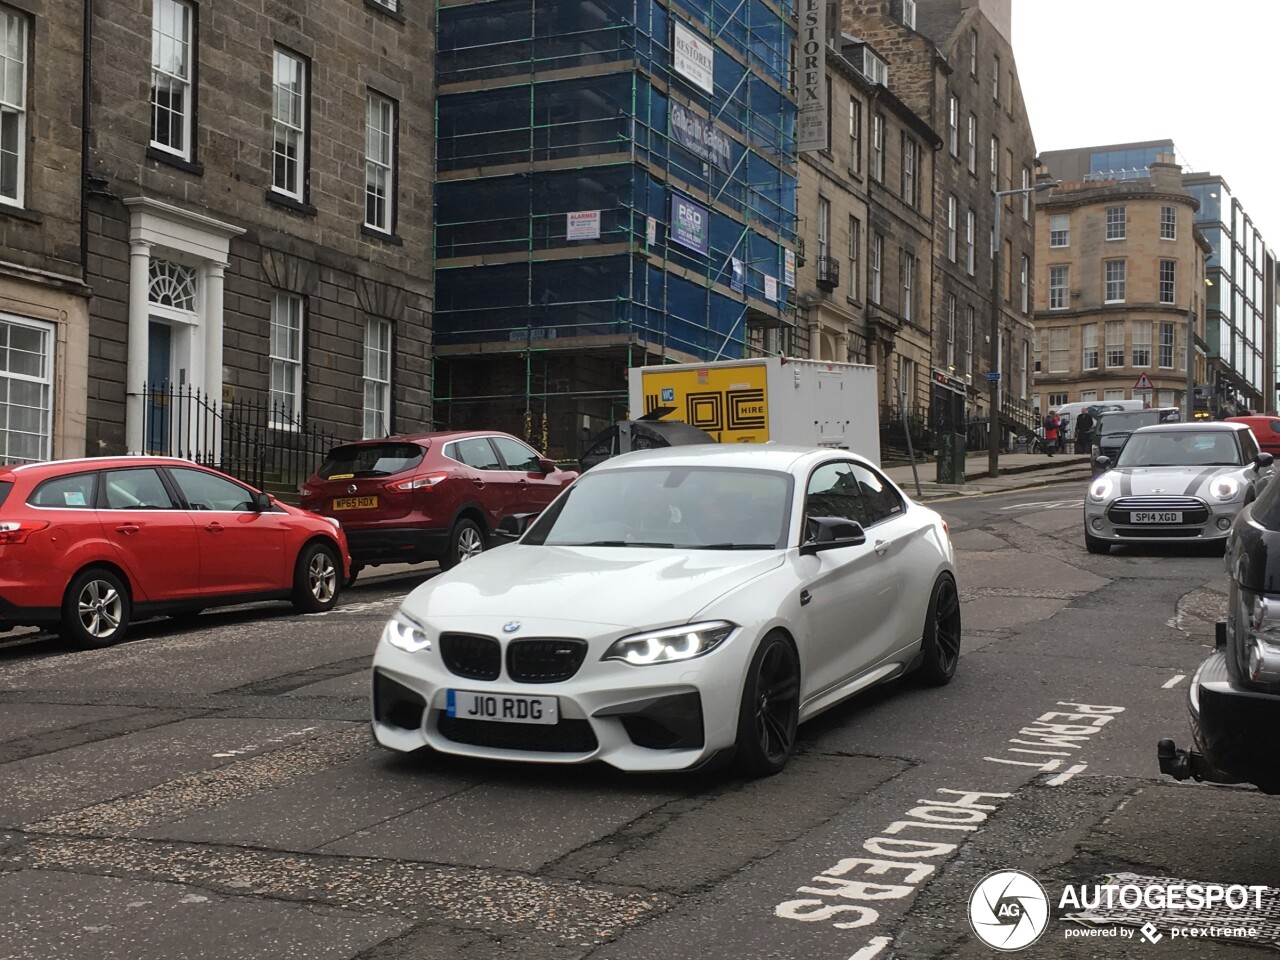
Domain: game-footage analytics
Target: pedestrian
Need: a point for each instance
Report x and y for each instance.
(1050, 432)
(1084, 431)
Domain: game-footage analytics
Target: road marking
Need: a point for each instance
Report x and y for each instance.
(875, 946)
(1048, 731)
(1045, 505)
(1066, 775)
(1174, 681)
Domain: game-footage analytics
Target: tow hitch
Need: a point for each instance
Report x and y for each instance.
(1189, 765)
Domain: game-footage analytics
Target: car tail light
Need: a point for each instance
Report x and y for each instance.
(17, 531)
(427, 480)
(305, 491)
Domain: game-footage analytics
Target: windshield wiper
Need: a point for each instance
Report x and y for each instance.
(735, 546)
(612, 543)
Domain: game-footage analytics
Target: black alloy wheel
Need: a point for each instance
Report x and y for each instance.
(941, 648)
(770, 709)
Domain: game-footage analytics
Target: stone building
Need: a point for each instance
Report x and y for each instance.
(44, 303)
(258, 219)
(1122, 269)
(951, 62)
(866, 205)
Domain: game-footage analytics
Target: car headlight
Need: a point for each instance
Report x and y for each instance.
(1224, 488)
(405, 633)
(670, 644)
(1100, 489)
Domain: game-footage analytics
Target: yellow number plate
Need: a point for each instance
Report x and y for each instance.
(355, 503)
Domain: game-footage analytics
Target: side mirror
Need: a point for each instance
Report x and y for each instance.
(1264, 460)
(1103, 462)
(261, 502)
(546, 465)
(830, 533)
(513, 526)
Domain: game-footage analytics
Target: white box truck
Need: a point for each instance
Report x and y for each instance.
(796, 402)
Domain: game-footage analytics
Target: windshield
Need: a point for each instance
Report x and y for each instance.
(691, 508)
(1187, 448)
(370, 460)
(1128, 422)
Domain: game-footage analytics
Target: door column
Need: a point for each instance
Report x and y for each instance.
(211, 327)
(139, 329)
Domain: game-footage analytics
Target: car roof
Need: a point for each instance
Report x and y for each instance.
(1215, 426)
(744, 456)
(440, 435)
(95, 463)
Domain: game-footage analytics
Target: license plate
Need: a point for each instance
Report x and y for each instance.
(466, 705)
(1155, 516)
(355, 503)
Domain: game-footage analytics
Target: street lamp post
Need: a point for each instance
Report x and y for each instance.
(994, 360)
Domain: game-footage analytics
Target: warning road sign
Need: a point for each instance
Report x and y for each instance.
(1144, 383)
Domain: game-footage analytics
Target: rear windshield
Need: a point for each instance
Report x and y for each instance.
(370, 460)
(5, 487)
(1128, 422)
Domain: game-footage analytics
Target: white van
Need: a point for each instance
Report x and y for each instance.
(1068, 412)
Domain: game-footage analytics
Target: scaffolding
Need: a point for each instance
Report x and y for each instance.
(566, 146)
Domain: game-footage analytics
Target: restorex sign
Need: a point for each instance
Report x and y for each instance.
(811, 78)
(693, 57)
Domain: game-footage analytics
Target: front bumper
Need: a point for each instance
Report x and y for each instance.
(639, 718)
(1212, 522)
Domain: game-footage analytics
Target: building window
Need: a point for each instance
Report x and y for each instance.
(973, 54)
(855, 247)
(1167, 334)
(973, 143)
(1116, 223)
(286, 361)
(171, 89)
(970, 242)
(995, 164)
(1026, 197)
(1058, 287)
(1115, 278)
(855, 134)
(1008, 270)
(1088, 396)
(1008, 175)
(908, 275)
(1168, 223)
(995, 79)
(1113, 394)
(910, 158)
(1115, 343)
(392, 5)
(289, 123)
(824, 227)
(1089, 346)
(874, 68)
(968, 342)
(377, 378)
(877, 264)
(1168, 280)
(909, 13)
(1025, 281)
(950, 331)
(13, 105)
(379, 176)
(1142, 343)
(1059, 351)
(877, 148)
(26, 390)
(1057, 400)
(953, 124)
(951, 227)
(171, 285)
(1060, 230)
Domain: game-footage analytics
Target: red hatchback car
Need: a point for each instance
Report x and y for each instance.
(1266, 430)
(431, 496)
(86, 546)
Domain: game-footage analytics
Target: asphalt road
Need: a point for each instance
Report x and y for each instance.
(214, 792)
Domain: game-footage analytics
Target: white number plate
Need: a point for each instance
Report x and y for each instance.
(466, 705)
(1155, 516)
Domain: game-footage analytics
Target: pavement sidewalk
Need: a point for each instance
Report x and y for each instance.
(1018, 471)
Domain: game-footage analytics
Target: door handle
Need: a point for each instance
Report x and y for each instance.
(479, 483)
(805, 597)
(882, 547)
(128, 528)
(214, 527)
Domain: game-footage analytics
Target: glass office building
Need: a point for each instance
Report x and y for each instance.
(616, 186)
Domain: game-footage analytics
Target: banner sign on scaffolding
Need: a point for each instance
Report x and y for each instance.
(771, 288)
(699, 136)
(651, 231)
(690, 224)
(811, 78)
(583, 225)
(693, 57)
(739, 281)
(789, 268)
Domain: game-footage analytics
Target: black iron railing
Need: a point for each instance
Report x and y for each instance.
(256, 440)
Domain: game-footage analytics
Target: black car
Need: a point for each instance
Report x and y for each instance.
(1235, 695)
(1113, 429)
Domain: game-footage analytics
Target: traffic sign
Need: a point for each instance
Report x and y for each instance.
(1144, 383)
(993, 376)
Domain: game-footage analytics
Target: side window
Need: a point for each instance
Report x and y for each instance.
(517, 455)
(75, 491)
(204, 491)
(139, 489)
(833, 492)
(882, 501)
(478, 453)
(1248, 445)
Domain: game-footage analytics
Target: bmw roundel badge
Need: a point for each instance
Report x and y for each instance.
(511, 626)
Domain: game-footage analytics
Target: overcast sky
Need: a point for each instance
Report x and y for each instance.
(1205, 75)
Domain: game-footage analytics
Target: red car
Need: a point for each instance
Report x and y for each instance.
(431, 496)
(86, 546)
(1266, 430)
